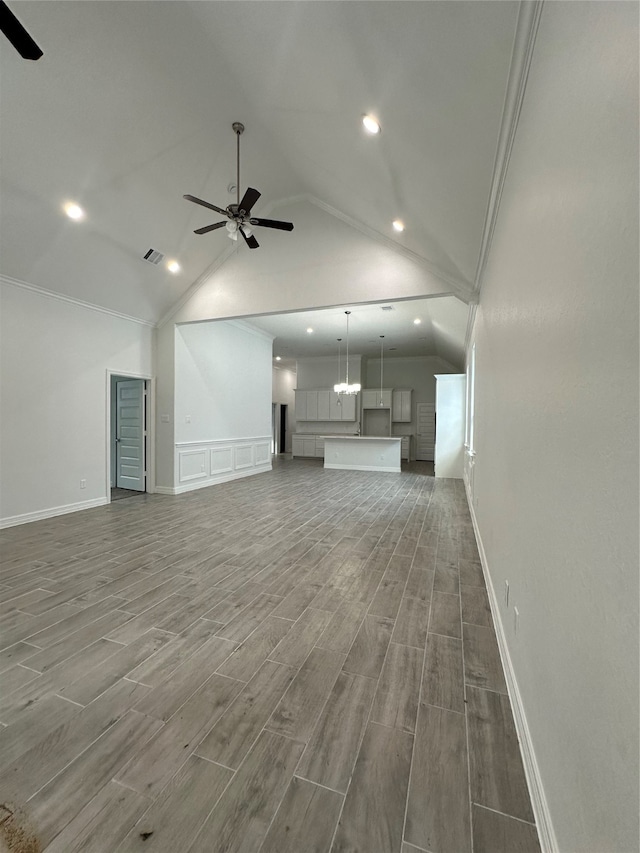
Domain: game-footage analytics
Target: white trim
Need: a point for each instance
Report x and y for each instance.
(39, 515)
(385, 470)
(150, 436)
(212, 481)
(224, 441)
(548, 840)
(41, 291)
(524, 41)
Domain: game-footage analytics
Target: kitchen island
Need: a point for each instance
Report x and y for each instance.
(363, 452)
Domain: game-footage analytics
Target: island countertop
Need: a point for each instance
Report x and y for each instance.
(364, 437)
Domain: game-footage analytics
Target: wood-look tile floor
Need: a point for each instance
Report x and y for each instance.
(296, 662)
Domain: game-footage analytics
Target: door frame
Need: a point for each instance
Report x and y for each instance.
(150, 444)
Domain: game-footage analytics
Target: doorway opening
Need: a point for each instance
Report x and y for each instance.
(279, 415)
(128, 433)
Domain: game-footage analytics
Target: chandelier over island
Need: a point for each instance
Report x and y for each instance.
(345, 387)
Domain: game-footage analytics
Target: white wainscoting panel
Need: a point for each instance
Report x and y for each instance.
(243, 456)
(206, 463)
(263, 452)
(221, 460)
(192, 465)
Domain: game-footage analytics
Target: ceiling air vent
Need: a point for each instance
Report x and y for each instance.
(153, 257)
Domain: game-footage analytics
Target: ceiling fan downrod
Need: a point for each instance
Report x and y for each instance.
(238, 129)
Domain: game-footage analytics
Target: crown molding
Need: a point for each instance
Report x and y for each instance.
(60, 297)
(523, 45)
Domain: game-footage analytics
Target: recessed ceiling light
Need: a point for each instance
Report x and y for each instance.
(309, 331)
(73, 210)
(398, 225)
(417, 321)
(278, 358)
(173, 266)
(371, 125)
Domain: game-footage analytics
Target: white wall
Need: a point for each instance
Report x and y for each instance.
(556, 475)
(222, 408)
(323, 262)
(223, 382)
(322, 371)
(54, 360)
(282, 392)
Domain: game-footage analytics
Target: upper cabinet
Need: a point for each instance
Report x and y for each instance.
(325, 405)
(371, 398)
(401, 405)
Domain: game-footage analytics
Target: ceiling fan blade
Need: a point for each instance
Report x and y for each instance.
(273, 223)
(17, 35)
(248, 200)
(251, 241)
(208, 228)
(205, 204)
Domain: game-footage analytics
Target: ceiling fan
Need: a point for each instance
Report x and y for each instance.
(17, 35)
(239, 214)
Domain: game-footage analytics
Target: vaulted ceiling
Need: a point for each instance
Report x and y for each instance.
(131, 107)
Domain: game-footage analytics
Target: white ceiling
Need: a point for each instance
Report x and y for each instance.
(131, 106)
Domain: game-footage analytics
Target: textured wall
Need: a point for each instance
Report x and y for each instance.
(556, 475)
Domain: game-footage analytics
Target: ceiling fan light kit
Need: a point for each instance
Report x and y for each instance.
(239, 214)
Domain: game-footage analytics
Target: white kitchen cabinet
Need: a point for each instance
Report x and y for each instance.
(312, 405)
(405, 451)
(348, 406)
(306, 405)
(301, 405)
(401, 405)
(303, 445)
(324, 404)
(371, 398)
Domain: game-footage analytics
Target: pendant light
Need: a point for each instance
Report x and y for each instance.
(344, 387)
(338, 401)
(381, 368)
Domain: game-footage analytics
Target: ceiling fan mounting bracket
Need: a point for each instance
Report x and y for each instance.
(238, 127)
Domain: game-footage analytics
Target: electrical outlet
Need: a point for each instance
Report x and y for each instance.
(516, 617)
(187, 419)
(83, 484)
(506, 593)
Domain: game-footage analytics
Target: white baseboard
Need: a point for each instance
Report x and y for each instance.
(27, 517)
(212, 481)
(548, 841)
(388, 470)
